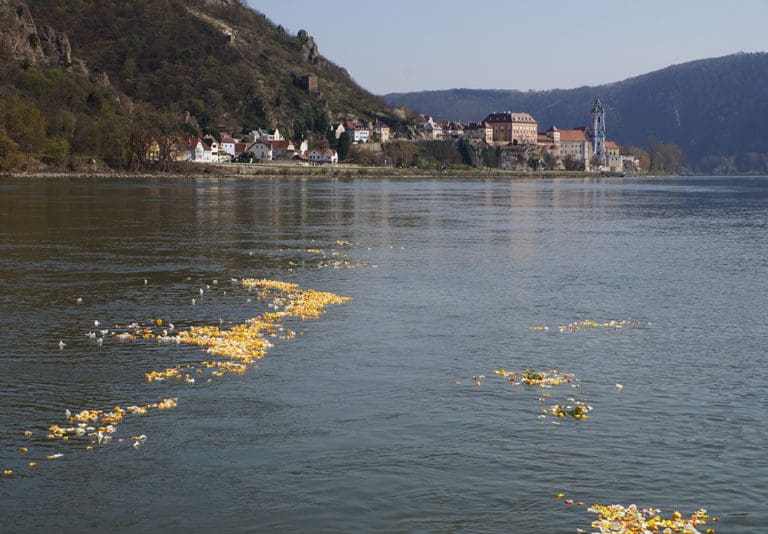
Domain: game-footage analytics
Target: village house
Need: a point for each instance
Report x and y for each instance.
(479, 130)
(357, 131)
(275, 150)
(210, 149)
(323, 155)
(260, 151)
(433, 131)
(423, 120)
(266, 135)
(452, 129)
(381, 132)
(227, 145)
(515, 128)
(194, 149)
(240, 148)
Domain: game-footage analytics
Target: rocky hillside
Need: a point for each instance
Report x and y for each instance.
(714, 109)
(222, 61)
(24, 43)
(90, 68)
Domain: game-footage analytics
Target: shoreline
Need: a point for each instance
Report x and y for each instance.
(235, 170)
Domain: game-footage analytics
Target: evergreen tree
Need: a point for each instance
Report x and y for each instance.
(344, 146)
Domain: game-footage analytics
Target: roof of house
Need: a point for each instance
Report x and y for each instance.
(354, 125)
(241, 147)
(509, 116)
(573, 136)
(282, 145)
(274, 145)
(611, 144)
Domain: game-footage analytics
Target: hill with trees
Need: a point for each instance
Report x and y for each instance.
(713, 109)
(99, 76)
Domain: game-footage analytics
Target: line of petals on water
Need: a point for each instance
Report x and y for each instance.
(243, 344)
(96, 427)
(591, 325)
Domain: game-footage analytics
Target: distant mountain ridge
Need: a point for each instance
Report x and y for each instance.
(714, 109)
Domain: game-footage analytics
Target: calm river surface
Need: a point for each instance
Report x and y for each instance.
(370, 420)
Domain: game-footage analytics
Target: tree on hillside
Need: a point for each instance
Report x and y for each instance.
(167, 125)
(56, 151)
(10, 157)
(23, 123)
(344, 146)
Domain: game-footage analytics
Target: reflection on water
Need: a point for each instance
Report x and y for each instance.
(359, 423)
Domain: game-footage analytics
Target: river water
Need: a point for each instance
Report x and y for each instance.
(370, 419)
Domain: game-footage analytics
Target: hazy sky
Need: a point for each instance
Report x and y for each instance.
(412, 45)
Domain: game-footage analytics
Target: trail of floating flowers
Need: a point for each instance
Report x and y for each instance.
(619, 519)
(92, 427)
(333, 258)
(591, 326)
(545, 379)
(241, 345)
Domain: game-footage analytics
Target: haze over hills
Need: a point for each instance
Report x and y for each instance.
(714, 109)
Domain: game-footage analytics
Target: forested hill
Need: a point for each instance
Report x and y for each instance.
(86, 64)
(222, 60)
(714, 109)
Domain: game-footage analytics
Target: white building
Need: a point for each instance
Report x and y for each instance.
(321, 156)
(261, 151)
(267, 135)
(227, 145)
(357, 131)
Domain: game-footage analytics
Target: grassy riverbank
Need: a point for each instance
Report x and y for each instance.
(290, 169)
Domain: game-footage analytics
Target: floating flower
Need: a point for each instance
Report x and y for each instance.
(236, 349)
(576, 409)
(619, 519)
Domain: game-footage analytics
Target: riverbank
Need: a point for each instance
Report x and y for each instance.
(272, 170)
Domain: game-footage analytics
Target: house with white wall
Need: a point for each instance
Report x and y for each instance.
(323, 155)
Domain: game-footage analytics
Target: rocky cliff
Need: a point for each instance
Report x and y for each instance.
(23, 43)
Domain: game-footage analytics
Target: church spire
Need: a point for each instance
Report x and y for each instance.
(598, 132)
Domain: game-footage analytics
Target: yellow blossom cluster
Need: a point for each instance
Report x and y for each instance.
(571, 408)
(616, 518)
(96, 424)
(239, 346)
(244, 344)
(546, 378)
